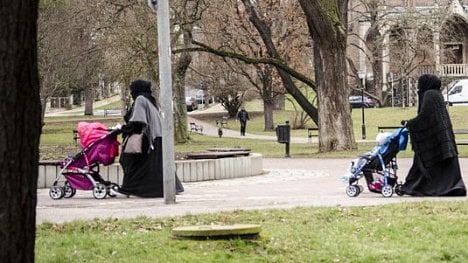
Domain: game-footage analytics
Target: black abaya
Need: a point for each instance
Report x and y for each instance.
(443, 179)
(435, 170)
(143, 173)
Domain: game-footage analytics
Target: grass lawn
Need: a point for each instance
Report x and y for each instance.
(406, 232)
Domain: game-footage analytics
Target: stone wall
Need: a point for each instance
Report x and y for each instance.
(187, 170)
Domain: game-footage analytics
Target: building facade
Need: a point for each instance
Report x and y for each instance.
(391, 43)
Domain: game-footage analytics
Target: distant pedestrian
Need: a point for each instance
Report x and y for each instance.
(243, 117)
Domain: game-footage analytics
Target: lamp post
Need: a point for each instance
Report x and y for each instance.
(165, 97)
(362, 75)
(363, 115)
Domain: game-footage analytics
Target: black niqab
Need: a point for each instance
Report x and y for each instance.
(435, 170)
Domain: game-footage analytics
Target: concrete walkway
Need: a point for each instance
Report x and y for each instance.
(286, 183)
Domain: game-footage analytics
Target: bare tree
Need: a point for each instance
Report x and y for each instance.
(187, 14)
(396, 34)
(235, 32)
(20, 112)
(327, 21)
(53, 50)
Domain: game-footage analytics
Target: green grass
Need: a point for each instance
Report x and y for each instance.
(406, 232)
(57, 138)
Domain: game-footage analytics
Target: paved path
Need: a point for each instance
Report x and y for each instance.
(286, 183)
(210, 129)
(79, 111)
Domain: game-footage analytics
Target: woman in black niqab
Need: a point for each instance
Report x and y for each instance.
(143, 173)
(436, 169)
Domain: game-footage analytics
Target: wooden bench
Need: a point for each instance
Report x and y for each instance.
(312, 132)
(196, 128)
(455, 131)
(387, 128)
(223, 122)
(108, 112)
(460, 131)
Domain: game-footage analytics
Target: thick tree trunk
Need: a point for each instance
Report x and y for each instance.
(335, 125)
(20, 128)
(327, 20)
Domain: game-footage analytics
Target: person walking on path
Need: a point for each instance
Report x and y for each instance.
(436, 169)
(243, 117)
(143, 171)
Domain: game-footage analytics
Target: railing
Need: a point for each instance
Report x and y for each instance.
(453, 70)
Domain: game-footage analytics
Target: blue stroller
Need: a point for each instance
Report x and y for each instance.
(381, 161)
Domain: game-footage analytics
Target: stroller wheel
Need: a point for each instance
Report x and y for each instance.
(69, 191)
(56, 192)
(398, 189)
(352, 190)
(387, 191)
(99, 191)
(361, 188)
(111, 189)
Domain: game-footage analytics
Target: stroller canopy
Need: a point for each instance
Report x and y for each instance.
(399, 136)
(90, 132)
(98, 143)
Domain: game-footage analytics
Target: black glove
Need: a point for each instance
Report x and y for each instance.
(404, 122)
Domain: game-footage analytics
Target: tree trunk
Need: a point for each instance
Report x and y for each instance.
(279, 102)
(268, 115)
(89, 100)
(180, 118)
(20, 128)
(268, 103)
(327, 20)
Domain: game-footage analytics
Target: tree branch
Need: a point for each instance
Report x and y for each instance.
(249, 60)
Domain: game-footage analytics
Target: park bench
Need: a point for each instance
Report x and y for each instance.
(196, 128)
(460, 131)
(312, 132)
(223, 122)
(387, 128)
(455, 131)
(108, 112)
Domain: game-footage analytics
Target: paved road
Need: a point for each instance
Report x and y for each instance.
(286, 183)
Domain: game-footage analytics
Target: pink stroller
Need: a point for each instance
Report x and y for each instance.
(81, 172)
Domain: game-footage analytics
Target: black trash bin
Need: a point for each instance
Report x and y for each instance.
(283, 133)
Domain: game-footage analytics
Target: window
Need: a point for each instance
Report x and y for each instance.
(455, 90)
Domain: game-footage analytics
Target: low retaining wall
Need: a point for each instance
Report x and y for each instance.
(187, 170)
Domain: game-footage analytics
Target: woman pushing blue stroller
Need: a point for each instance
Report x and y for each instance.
(379, 166)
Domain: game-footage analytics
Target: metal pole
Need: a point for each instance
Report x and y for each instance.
(165, 99)
(288, 139)
(362, 109)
